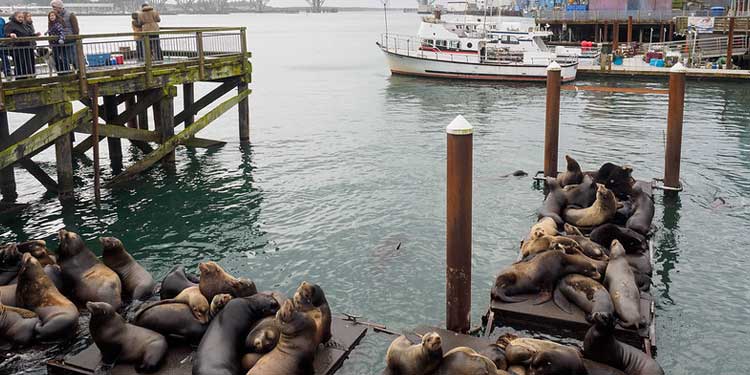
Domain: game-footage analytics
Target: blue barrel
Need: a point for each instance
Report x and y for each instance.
(659, 63)
(617, 60)
(717, 11)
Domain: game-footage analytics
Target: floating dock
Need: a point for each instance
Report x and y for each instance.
(328, 359)
(651, 71)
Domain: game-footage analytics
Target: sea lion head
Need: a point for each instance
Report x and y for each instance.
(37, 248)
(244, 287)
(70, 243)
(556, 362)
(209, 269)
(265, 342)
(616, 250)
(308, 294)
(111, 244)
(573, 257)
(293, 323)
(573, 165)
(10, 257)
(100, 309)
(30, 267)
(218, 303)
(603, 321)
(432, 343)
(201, 312)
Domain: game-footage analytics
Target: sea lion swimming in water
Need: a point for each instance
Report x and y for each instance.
(137, 283)
(176, 281)
(89, 278)
(620, 282)
(540, 275)
(17, 325)
(588, 294)
(600, 345)
(214, 280)
(405, 357)
(572, 174)
(603, 209)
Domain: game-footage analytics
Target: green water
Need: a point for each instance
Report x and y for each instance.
(347, 162)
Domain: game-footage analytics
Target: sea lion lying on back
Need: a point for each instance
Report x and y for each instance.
(603, 210)
(137, 283)
(540, 242)
(405, 357)
(214, 280)
(600, 345)
(554, 203)
(540, 274)
(521, 350)
(572, 174)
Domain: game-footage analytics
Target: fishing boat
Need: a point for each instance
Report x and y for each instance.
(477, 48)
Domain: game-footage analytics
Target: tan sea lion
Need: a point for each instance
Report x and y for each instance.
(310, 299)
(121, 342)
(603, 209)
(540, 275)
(572, 175)
(175, 319)
(557, 362)
(620, 282)
(521, 350)
(36, 292)
(137, 283)
(176, 281)
(295, 351)
(218, 303)
(88, 277)
(517, 370)
(546, 224)
(540, 242)
(214, 280)
(586, 293)
(263, 337)
(465, 361)
(405, 357)
(17, 325)
(38, 249)
(189, 296)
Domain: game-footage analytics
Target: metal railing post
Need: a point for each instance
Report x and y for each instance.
(147, 57)
(201, 62)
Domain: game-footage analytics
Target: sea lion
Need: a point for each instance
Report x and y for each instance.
(620, 282)
(572, 174)
(38, 249)
(600, 212)
(517, 370)
(310, 299)
(572, 230)
(521, 350)
(295, 351)
(643, 211)
(176, 281)
(540, 242)
(10, 263)
(465, 361)
(624, 212)
(596, 368)
(584, 292)
(54, 272)
(17, 325)
(220, 349)
(218, 303)
(632, 241)
(88, 277)
(557, 362)
(600, 345)
(616, 178)
(590, 248)
(582, 195)
(249, 360)
(214, 280)
(554, 203)
(540, 274)
(546, 224)
(496, 354)
(137, 283)
(642, 270)
(263, 336)
(405, 357)
(8, 295)
(172, 319)
(121, 342)
(36, 292)
(191, 297)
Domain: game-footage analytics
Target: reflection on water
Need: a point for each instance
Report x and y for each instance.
(668, 242)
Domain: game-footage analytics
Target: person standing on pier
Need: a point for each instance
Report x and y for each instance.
(135, 24)
(21, 52)
(149, 19)
(4, 50)
(55, 28)
(65, 54)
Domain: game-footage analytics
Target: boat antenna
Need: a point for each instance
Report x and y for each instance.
(385, 16)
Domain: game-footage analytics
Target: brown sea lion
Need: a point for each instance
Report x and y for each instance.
(218, 303)
(600, 345)
(214, 280)
(89, 278)
(600, 212)
(642, 270)
(121, 342)
(539, 242)
(10, 263)
(582, 195)
(555, 202)
(546, 224)
(405, 357)
(16, 324)
(36, 292)
(54, 272)
(643, 211)
(9, 291)
(588, 294)
(8, 295)
(176, 281)
(191, 297)
(572, 175)
(620, 282)
(175, 319)
(557, 362)
(572, 230)
(465, 361)
(310, 299)
(38, 249)
(263, 337)
(632, 241)
(496, 354)
(540, 275)
(249, 360)
(521, 350)
(517, 370)
(137, 283)
(295, 351)
(596, 368)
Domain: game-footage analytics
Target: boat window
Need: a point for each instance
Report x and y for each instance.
(508, 39)
(460, 27)
(427, 42)
(454, 44)
(441, 43)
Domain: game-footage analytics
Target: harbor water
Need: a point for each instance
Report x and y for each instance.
(344, 185)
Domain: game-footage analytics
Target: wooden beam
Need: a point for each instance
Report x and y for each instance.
(87, 103)
(43, 139)
(164, 123)
(35, 170)
(188, 100)
(144, 101)
(207, 99)
(83, 146)
(119, 131)
(203, 143)
(30, 127)
(170, 144)
(114, 144)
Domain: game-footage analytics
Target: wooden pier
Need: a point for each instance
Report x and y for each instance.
(118, 78)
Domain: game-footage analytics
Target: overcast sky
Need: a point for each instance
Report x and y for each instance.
(349, 3)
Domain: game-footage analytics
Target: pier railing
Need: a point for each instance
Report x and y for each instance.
(25, 58)
(609, 15)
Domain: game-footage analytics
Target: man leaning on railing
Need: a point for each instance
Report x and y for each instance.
(65, 54)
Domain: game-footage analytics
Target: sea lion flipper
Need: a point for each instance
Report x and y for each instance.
(500, 293)
(562, 302)
(543, 297)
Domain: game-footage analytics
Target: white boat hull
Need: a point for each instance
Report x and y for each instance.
(467, 69)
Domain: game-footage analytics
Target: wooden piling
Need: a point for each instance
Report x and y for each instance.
(244, 112)
(164, 120)
(188, 99)
(604, 36)
(129, 104)
(671, 31)
(95, 137)
(114, 145)
(674, 126)
(615, 36)
(7, 176)
(143, 115)
(64, 157)
(552, 120)
(730, 42)
(661, 32)
(630, 29)
(458, 225)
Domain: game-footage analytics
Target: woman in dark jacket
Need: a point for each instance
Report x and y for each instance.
(21, 52)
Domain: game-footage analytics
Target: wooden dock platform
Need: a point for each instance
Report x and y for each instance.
(621, 71)
(128, 73)
(346, 336)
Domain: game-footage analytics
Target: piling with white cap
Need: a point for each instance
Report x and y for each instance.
(674, 126)
(458, 224)
(552, 119)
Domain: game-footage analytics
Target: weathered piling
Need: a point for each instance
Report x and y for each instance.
(64, 156)
(244, 112)
(458, 225)
(730, 42)
(615, 36)
(95, 136)
(114, 144)
(630, 29)
(674, 126)
(188, 99)
(7, 176)
(552, 119)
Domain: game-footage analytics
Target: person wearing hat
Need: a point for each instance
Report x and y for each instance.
(65, 54)
(148, 19)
